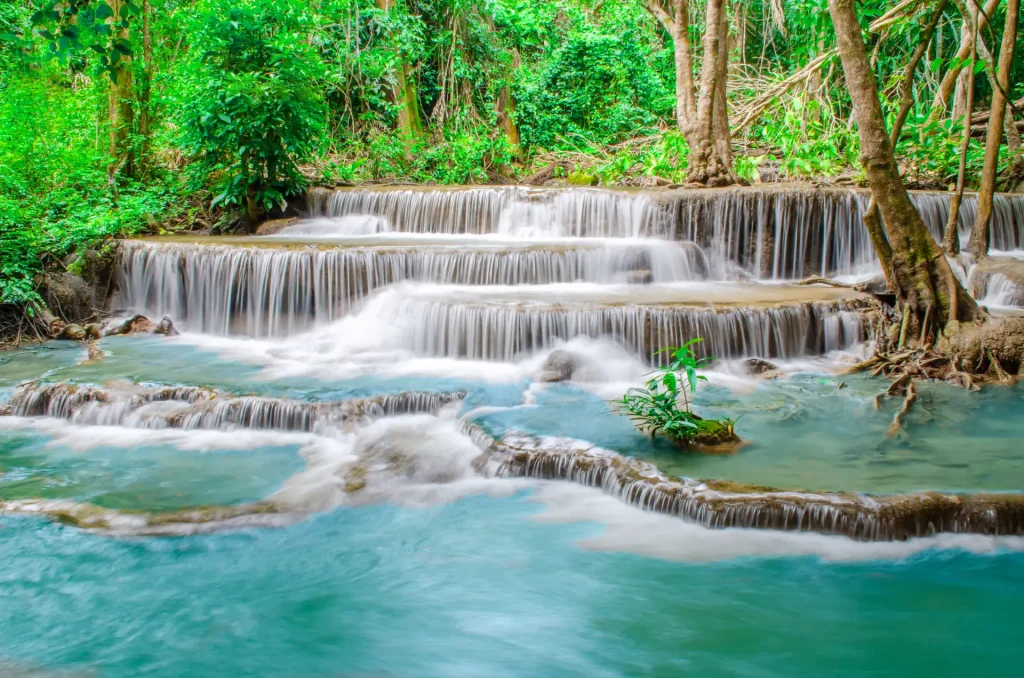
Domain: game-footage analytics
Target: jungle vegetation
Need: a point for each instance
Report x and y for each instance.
(123, 116)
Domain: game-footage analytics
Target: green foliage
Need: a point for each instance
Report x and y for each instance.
(54, 195)
(595, 87)
(251, 108)
(663, 405)
(69, 26)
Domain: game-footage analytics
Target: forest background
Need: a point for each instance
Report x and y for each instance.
(126, 116)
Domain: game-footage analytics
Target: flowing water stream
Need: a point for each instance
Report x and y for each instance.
(355, 460)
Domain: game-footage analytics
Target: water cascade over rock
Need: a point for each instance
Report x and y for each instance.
(192, 408)
(723, 505)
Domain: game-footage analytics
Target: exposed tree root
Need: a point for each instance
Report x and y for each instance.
(908, 402)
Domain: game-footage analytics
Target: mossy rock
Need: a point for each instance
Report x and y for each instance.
(712, 436)
(582, 179)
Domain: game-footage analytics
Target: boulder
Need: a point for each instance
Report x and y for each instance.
(69, 296)
(166, 328)
(757, 367)
(559, 366)
(73, 332)
(133, 325)
(642, 277)
(97, 266)
(583, 179)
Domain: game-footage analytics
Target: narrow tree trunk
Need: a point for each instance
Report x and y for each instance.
(145, 106)
(993, 137)
(1013, 141)
(956, 66)
(951, 237)
(706, 163)
(120, 109)
(923, 280)
(403, 95)
(677, 25)
(680, 32)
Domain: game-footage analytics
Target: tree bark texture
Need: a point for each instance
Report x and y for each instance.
(120, 107)
(403, 94)
(994, 135)
(702, 117)
(923, 280)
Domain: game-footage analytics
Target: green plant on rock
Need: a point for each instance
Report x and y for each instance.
(663, 405)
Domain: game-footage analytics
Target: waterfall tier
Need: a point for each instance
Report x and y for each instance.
(261, 290)
(772, 232)
(723, 505)
(197, 408)
(506, 324)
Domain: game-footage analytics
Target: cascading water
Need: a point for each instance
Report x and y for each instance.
(361, 242)
(264, 291)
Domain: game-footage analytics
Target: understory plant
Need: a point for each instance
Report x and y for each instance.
(663, 405)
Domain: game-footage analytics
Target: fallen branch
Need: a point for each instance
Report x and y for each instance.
(758, 105)
(818, 280)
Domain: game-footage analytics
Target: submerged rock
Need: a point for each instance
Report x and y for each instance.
(560, 366)
(758, 367)
(643, 277)
(166, 328)
(712, 436)
(133, 325)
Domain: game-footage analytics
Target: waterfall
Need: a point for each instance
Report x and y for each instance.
(508, 210)
(505, 332)
(773, 232)
(264, 291)
(196, 408)
(364, 242)
(723, 505)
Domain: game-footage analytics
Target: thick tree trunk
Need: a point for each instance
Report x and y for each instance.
(872, 220)
(120, 109)
(993, 137)
(709, 163)
(505, 106)
(924, 282)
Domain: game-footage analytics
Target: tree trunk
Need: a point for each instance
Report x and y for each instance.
(872, 220)
(951, 236)
(403, 95)
(923, 280)
(709, 162)
(677, 25)
(1013, 142)
(994, 135)
(680, 32)
(948, 82)
(145, 111)
(120, 109)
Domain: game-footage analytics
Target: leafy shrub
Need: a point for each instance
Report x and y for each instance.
(595, 86)
(251, 110)
(664, 404)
